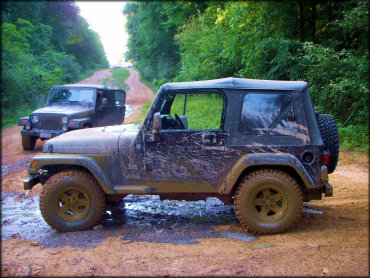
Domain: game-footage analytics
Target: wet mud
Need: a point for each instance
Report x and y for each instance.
(136, 218)
(16, 166)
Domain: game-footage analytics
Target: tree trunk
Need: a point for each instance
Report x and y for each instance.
(301, 20)
(313, 20)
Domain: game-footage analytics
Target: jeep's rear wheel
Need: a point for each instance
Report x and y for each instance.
(330, 137)
(28, 142)
(268, 202)
(72, 200)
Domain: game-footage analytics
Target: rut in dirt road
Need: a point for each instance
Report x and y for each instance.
(138, 94)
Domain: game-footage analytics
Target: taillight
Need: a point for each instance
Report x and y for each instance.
(326, 158)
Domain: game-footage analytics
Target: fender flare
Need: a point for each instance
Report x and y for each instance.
(79, 123)
(263, 160)
(45, 160)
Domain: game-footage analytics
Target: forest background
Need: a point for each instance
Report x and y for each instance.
(43, 44)
(322, 42)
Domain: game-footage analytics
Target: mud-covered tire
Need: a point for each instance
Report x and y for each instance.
(28, 142)
(268, 202)
(72, 200)
(329, 133)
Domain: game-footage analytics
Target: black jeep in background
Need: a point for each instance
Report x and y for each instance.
(71, 107)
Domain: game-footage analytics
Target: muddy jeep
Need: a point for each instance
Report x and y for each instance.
(254, 144)
(71, 107)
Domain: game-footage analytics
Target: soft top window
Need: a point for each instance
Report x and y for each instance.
(260, 110)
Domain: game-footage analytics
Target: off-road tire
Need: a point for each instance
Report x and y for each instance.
(330, 137)
(274, 181)
(28, 142)
(72, 181)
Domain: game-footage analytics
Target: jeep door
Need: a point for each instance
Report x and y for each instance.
(110, 107)
(187, 156)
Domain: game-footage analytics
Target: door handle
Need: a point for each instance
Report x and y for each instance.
(209, 138)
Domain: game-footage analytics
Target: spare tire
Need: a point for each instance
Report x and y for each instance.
(329, 133)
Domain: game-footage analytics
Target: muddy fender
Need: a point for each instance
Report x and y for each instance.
(88, 163)
(263, 160)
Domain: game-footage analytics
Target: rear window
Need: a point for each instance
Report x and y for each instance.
(259, 111)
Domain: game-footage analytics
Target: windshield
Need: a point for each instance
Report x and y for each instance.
(72, 95)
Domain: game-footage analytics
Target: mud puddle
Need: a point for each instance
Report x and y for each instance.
(130, 110)
(137, 218)
(16, 166)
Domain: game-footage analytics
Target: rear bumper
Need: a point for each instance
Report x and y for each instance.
(328, 189)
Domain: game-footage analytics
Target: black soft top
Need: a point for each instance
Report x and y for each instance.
(238, 83)
(93, 86)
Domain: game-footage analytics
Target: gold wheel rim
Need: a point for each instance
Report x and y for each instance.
(73, 205)
(269, 204)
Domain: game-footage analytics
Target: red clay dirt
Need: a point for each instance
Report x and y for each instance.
(334, 243)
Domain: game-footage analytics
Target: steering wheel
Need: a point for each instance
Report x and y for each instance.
(178, 122)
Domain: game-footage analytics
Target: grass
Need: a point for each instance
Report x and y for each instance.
(354, 138)
(203, 111)
(118, 78)
(13, 120)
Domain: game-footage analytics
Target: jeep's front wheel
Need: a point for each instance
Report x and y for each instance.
(72, 200)
(268, 202)
(28, 142)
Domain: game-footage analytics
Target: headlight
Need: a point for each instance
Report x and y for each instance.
(65, 128)
(35, 119)
(28, 126)
(65, 120)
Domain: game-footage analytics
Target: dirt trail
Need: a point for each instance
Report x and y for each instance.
(332, 238)
(97, 78)
(138, 94)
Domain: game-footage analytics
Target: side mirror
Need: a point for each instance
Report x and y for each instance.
(104, 102)
(157, 126)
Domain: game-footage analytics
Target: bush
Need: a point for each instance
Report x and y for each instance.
(354, 138)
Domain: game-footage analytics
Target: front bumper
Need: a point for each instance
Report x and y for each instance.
(41, 133)
(31, 181)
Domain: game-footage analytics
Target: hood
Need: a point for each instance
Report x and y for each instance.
(98, 140)
(63, 109)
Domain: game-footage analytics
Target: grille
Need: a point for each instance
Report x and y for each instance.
(49, 122)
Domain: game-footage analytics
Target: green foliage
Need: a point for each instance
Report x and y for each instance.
(354, 138)
(43, 44)
(338, 82)
(154, 87)
(118, 78)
